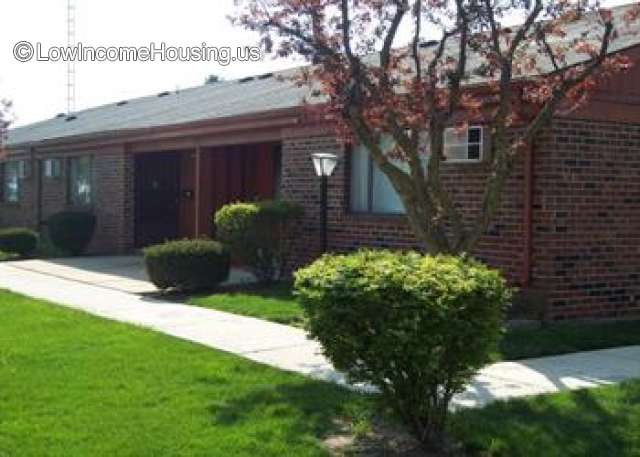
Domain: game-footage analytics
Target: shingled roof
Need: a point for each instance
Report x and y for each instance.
(227, 99)
(210, 101)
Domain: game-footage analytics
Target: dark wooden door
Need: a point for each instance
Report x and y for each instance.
(157, 191)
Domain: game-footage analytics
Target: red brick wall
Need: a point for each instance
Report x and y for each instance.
(586, 229)
(114, 202)
(586, 215)
(54, 191)
(22, 213)
(502, 248)
(113, 199)
(300, 184)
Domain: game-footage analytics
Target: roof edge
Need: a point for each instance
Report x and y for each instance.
(260, 120)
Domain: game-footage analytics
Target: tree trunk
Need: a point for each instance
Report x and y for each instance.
(432, 237)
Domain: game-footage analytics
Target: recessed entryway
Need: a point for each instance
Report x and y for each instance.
(157, 194)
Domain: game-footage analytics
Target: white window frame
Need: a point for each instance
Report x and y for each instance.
(18, 179)
(370, 204)
(481, 144)
(52, 168)
(71, 185)
(24, 169)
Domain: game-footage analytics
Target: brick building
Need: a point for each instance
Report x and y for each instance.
(158, 167)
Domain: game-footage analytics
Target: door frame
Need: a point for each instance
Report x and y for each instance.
(138, 196)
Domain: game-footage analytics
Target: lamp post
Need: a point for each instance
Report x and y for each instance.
(324, 164)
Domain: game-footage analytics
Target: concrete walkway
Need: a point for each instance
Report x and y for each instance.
(123, 273)
(288, 348)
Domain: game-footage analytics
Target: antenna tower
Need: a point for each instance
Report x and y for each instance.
(71, 65)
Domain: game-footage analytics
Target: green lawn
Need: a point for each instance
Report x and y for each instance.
(600, 422)
(275, 303)
(567, 337)
(75, 385)
(278, 304)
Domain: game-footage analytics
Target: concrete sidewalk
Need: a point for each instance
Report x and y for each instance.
(289, 349)
(123, 273)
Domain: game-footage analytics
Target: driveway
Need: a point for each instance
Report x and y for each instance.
(121, 273)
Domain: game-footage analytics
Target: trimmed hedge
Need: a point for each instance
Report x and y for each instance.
(19, 241)
(187, 265)
(71, 231)
(260, 235)
(416, 327)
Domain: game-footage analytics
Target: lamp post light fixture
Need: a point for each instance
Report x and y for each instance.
(325, 164)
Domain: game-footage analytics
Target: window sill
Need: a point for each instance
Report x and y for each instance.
(376, 216)
(77, 207)
(462, 162)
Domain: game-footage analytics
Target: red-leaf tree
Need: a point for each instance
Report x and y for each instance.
(476, 69)
(5, 121)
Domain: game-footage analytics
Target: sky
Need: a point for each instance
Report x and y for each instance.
(38, 89)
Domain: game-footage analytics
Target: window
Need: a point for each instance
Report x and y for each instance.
(464, 146)
(24, 170)
(11, 181)
(52, 168)
(371, 190)
(80, 181)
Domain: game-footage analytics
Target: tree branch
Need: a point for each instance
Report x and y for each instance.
(402, 6)
(496, 182)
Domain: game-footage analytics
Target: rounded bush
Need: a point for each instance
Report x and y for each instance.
(416, 327)
(19, 241)
(235, 223)
(260, 235)
(71, 231)
(187, 265)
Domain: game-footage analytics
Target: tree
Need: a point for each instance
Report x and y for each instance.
(5, 121)
(513, 79)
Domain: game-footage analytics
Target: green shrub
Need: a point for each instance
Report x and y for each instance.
(6, 256)
(187, 265)
(71, 231)
(260, 235)
(233, 224)
(47, 250)
(19, 241)
(416, 327)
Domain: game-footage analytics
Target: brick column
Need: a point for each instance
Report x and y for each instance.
(300, 184)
